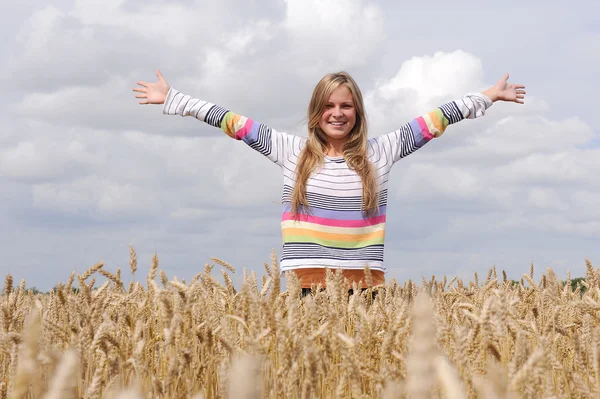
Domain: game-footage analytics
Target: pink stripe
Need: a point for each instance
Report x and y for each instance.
(424, 129)
(245, 130)
(335, 222)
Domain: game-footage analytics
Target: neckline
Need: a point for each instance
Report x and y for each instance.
(339, 158)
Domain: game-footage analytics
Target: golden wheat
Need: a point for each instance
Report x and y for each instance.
(206, 339)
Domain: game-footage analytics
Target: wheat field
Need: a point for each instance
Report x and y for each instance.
(206, 339)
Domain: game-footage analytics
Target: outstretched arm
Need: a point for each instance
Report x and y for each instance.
(263, 139)
(423, 129)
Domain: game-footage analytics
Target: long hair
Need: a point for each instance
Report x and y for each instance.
(354, 151)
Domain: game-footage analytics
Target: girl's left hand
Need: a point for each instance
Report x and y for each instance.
(505, 91)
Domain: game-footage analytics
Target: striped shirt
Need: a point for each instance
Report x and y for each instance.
(333, 231)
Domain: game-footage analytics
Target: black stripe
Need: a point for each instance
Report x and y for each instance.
(315, 251)
(186, 103)
(263, 141)
(333, 203)
(330, 198)
(458, 112)
(215, 115)
(408, 143)
(179, 103)
(172, 101)
(452, 112)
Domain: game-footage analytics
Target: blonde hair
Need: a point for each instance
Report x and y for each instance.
(355, 149)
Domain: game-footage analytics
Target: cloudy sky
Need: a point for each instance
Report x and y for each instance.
(85, 171)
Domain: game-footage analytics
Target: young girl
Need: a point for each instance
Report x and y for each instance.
(335, 181)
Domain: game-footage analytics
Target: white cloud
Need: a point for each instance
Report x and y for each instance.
(420, 84)
(44, 158)
(113, 173)
(156, 22)
(107, 105)
(425, 82)
(95, 195)
(515, 186)
(520, 170)
(518, 136)
(550, 169)
(585, 199)
(41, 27)
(24, 161)
(546, 198)
(334, 34)
(435, 181)
(430, 77)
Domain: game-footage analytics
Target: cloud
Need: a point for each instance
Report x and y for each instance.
(431, 77)
(334, 34)
(85, 170)
(42, 159)
(419, 85)
(517, 173)
(111, 174)
(547, 199)
(42, 25)
(98, 195)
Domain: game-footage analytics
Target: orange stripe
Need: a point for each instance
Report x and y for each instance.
(437, 123)
(315, 276)
(229, 123)
(333, 236)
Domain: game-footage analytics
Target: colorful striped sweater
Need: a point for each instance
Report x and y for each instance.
(334, 231)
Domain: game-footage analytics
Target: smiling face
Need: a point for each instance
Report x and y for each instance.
(339, 115)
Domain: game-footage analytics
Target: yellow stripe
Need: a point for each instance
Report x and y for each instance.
(241, 122)
(290, 231)
(333, 243)
(440, 120)
(229, 122)
(331, 229)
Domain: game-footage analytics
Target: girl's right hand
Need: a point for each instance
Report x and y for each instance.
(153, 93)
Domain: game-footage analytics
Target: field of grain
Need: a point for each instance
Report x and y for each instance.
(95, 337)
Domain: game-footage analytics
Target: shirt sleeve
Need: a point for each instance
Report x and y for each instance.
(269, 142)
(418, 132)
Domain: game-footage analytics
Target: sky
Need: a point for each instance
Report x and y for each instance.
(85, 171)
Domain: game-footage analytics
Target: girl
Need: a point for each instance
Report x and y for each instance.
(335, 181)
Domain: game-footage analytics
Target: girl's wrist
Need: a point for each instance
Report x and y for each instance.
(491, 93)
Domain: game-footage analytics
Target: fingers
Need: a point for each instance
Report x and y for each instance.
(159, 75)
(143, 90)
(142, 95)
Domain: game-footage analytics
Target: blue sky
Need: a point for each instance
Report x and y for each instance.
(85, 171)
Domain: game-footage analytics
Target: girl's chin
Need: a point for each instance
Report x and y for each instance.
(336, 134)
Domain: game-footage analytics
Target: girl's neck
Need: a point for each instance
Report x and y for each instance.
(335, 149)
